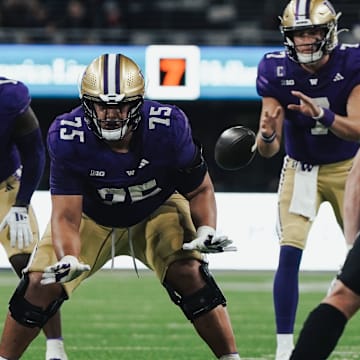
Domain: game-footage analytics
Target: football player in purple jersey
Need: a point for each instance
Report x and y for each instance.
(22, 160)
(310, 97)
(126, 178)
(325, 323)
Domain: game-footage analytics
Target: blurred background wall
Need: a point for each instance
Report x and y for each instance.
(166, 22)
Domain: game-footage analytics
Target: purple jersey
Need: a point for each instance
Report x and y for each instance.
(306, 139)
(14, 100)
(121, 189)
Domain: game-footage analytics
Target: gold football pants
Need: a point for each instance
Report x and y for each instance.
(156, 241)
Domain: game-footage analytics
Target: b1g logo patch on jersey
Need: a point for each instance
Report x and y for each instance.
(97, 173)
(288, 82)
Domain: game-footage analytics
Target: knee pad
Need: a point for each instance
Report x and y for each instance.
(27, 314)
(203, 300)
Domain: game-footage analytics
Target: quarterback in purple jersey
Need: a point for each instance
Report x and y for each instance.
(22, 159)
(310, 97)
(126, 178)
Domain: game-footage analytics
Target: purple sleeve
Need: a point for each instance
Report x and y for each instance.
(263, 85)
(60, 168)
(185, 148)
(32, 152)
(15, 98)
(58, 172)
(190, 162)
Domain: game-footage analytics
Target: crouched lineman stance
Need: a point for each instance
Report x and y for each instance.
(22, 159)
(126, 179)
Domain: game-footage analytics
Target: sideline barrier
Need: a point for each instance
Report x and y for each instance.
(249, 219)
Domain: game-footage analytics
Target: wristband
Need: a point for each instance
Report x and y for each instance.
(268, 139)
(21, 204)
(326, 117)
(205, 230)
(321, 114)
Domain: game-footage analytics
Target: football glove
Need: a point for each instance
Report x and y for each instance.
(67, 269)
(17, 218)
(207, 242)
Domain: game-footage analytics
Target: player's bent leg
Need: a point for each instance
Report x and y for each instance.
(192, 287)
(345, 294)
(52, 329)
(320, 333)
(15, 338)
(325, 324)
(30, 307)
(349, 275)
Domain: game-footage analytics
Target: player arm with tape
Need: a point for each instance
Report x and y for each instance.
(65, 225)
(29, 142)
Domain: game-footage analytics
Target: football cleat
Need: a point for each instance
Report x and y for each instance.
(283, 355)
(55, 350)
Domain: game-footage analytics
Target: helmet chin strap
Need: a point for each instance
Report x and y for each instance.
(131, 123)
(315, 56)
(114, 135)
(302, 58)
(309, 58)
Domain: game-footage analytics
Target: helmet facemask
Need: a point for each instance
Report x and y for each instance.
(111, 129)
(112, 80)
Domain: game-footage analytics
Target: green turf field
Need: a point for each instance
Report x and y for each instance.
(116, 315)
